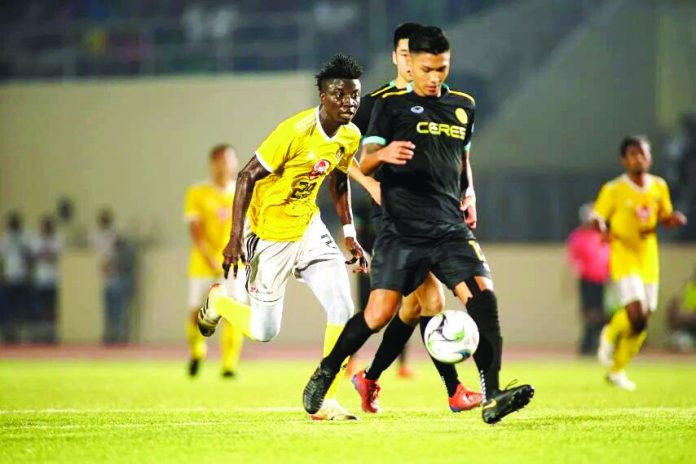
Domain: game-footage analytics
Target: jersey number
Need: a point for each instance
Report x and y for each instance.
(477, 249)
(302, 190)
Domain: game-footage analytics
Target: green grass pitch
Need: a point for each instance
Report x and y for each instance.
(149, 411)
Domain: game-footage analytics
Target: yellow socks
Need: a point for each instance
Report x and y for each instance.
(236, 313)
(196, 341)
(626, 349)
(626, 342)
(330, 337)
(231, 342)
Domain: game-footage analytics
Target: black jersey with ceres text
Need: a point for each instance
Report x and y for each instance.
(423, 196)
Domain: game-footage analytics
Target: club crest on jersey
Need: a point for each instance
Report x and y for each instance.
(320, 168)
(462, 116)
(339, 153)
(417, 109)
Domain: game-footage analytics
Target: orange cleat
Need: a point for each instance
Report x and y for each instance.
(464, 399)
(368, 391)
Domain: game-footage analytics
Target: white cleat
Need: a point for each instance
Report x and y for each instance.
(208, 318)
(620, 380)
(333, 411)
(605, 351)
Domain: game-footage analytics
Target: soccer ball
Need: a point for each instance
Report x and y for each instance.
(451, 336)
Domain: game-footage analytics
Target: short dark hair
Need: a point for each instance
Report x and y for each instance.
(404, 31)
(339, 67)
(631, 140)
(428, 39)
(217, 149)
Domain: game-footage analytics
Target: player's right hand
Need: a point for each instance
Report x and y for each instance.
(397, 152)
(232, 255)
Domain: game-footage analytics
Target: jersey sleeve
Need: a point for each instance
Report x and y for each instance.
(192, 209)
(275, 150)
(605, 203)
(380, 130)
(666, 207)
(347, 159)
(469, 131)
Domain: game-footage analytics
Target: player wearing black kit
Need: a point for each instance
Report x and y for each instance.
(421, 140)
(429, 298)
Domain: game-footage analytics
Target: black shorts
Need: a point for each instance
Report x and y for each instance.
(402, 262)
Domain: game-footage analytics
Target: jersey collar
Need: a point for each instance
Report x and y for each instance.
(321, 129)
(648, 182)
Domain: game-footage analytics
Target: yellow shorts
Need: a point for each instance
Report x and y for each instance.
(625, 262)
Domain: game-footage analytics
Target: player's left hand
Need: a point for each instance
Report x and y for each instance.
(358, 255)
(676, 219)
(468, 207)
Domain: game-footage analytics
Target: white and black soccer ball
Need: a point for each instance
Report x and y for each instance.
(451, 336)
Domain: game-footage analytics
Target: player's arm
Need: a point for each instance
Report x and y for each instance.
(376, 146)
(196, 233)
(340, 194)
(668, 216)
(602, 210)
(468, 200)
(368, 183)
(246, 180)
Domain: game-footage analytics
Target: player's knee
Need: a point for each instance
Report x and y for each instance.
(483, 308)
(378, 318)
(265, 333)
(637, 316)
(434, 304)
(340, 312)
(265, 320)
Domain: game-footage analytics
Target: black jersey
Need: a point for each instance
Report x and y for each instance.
(362, 117)
(422, 197)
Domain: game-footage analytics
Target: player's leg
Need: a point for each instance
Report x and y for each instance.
(460, 264)
(232, 337)
(198, 287)
(432, 297)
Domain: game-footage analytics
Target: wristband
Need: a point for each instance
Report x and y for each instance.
(349, 231)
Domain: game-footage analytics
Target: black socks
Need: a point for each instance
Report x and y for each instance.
(395, 337)
(483, 309)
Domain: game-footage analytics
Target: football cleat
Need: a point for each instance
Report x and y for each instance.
(315, 390)
(228, 374)
(504, 402)
(406, 372)
(464, 399)
(333, 411)
(208, 318)
(368, 391)
(620, 380)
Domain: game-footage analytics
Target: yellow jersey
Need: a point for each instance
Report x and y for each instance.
(212, 206)
(632, 213)
(299, 155)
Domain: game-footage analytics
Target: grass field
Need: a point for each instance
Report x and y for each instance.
(148, 411)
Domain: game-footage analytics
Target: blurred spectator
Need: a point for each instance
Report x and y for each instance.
(118, 269)
(681, 155)
(46, 248)
(15, 255)
(588, 254)
(681, 317)
(208, 22)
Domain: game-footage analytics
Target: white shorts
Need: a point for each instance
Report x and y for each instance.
(632, 288)
(199, 286)
(271, 263)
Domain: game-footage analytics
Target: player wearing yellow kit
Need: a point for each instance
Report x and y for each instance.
(628, 210)
(277, 229)
(207, 209)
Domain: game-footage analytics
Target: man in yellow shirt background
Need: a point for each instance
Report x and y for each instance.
(208, 211)
(628, 211)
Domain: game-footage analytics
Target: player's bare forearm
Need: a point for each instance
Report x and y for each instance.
(246, 180)
(371, 185)
(468, 176)
(340, 194)
(369, 158)
(468, 197)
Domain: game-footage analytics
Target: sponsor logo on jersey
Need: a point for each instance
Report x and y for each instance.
(462, 116)
(320, 168)
(417, 109)
(434, 128)
(339, 153)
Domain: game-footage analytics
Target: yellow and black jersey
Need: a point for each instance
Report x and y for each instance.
(429, 186)
(299, 155)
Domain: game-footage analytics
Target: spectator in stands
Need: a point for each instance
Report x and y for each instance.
(118, 268)
(588, 254)
(16, 264)
(681, 317)
(46, 248)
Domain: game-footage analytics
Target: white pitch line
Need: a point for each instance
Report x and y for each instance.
(145, 410)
